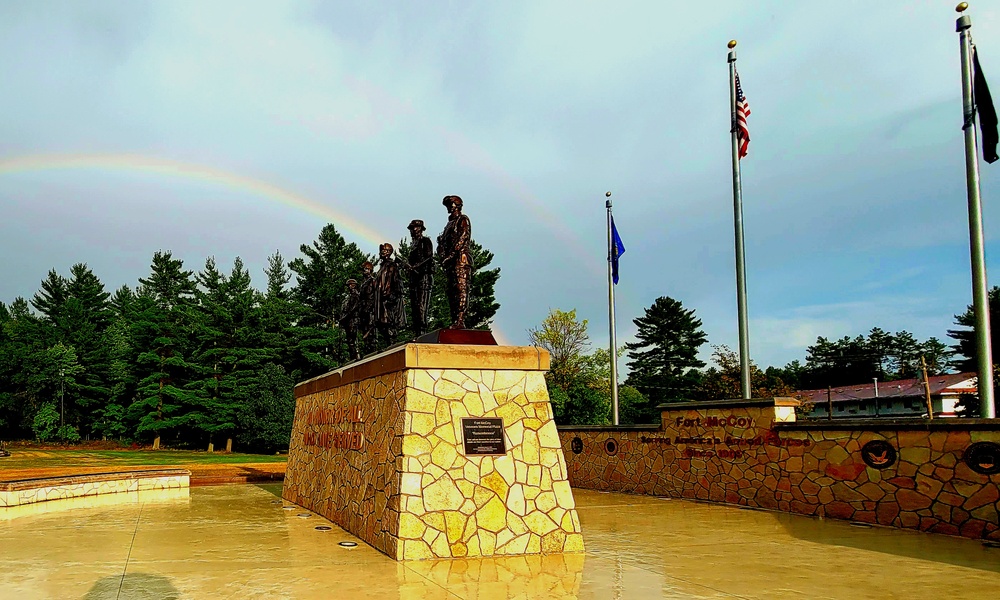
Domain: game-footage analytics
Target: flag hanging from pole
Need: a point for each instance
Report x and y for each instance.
(617, 249)
(742, 112)
(987, 112)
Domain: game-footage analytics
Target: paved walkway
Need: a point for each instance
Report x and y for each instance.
(241, 542)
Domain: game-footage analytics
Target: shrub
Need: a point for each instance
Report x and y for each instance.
(68, 434)
(45, 425)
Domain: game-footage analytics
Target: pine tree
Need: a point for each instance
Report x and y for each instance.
(281, 317)
(937, 355)
(250, 356)
(51, 299)
(112, 420)
(858, 360)
(213, 338)
(966, 355)
(122, 301)
(322, 274)
(883, 352)
(267, 401)
(483, 305)
(22, 338)
(265, 419)
(8, 404)
(85, 321)
(277, 310)
(85, 287)
(664, 356)
(321, 277)
(162, 330)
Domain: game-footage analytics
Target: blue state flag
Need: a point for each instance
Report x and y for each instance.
(617, 250)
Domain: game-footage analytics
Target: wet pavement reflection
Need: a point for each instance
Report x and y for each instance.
(244, 542)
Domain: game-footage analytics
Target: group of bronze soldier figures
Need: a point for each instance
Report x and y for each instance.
(374, 309)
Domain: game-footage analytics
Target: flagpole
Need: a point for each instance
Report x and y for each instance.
(741, 280)
(980, 296)
(611, 318)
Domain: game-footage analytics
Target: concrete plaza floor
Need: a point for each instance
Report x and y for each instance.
(240, 541)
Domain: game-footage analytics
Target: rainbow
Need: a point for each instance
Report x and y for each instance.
(475, 156)
(173, 168)
(195, 172)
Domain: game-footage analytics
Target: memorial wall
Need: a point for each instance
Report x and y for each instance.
(940, 476)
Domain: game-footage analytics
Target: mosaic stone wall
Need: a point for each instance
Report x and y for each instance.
(910, 476)
(20, 493)
(356, 489)
(409, 490)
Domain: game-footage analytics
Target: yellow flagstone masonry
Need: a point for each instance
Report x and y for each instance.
(377, 447)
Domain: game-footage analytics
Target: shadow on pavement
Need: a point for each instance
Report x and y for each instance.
(135, 586)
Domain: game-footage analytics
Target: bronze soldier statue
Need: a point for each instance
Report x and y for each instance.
(366, 311)
(390, 313)
(456, 259)
(420, 265)
(350, 317)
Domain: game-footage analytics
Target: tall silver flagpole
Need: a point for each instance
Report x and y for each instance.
(980, 296)
(741, 275)
(611, 317)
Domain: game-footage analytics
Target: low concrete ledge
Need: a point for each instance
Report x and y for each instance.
(608, 427)
(429, 356)
(729, 403)
(939, 424)
(30, 491)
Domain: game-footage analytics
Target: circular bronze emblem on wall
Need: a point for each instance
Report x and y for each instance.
(878, 454)
(576, 445)
(611, 446)
(983, 457)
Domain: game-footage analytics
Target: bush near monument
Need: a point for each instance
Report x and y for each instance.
(579, 384)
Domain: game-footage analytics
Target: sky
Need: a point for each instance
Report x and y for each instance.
(241, 128)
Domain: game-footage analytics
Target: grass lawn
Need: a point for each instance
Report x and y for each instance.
(24, 463)
(34, 459)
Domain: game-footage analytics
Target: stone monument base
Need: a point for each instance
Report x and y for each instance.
(436, 451)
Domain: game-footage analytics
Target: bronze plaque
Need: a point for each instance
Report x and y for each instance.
(483, 436)
(878, 454)
(983, 458)
(611, 446)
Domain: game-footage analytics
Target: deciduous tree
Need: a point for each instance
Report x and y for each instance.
(565, 337)
(724, 379)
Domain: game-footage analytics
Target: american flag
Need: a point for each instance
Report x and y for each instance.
(742, 112)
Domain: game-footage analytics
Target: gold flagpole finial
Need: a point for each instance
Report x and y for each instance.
(961, 7)
(607, 195)
(732, 43)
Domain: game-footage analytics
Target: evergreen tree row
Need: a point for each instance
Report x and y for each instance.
(185, 359)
